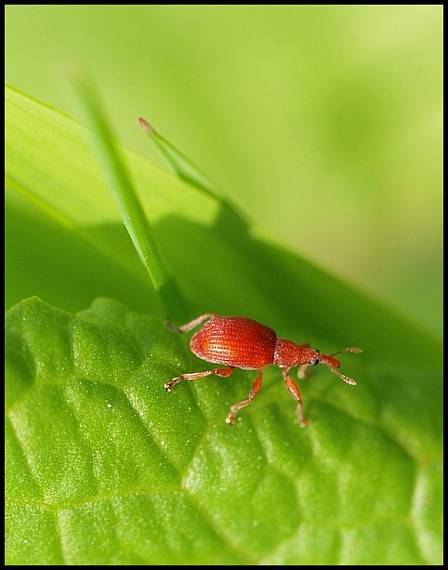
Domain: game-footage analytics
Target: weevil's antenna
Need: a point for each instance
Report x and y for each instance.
(354, 349)
(343, 377)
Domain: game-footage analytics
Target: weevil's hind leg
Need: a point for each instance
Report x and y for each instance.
(189, 326)
(256, 386)
(223, 372)
(295, 392)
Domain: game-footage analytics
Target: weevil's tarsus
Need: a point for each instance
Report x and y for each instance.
(302, 420)
(222, 372)
(171, 326)
(256, 386)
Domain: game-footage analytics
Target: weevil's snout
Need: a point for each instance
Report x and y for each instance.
(329, 361)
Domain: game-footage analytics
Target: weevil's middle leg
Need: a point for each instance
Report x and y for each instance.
(223, 372)
(256, 386)
(295, 392)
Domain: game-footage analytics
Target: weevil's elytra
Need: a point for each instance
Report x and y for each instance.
(235, 341)
(239, 342)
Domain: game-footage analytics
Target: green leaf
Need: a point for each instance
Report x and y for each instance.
(105, 467)
(361, 484)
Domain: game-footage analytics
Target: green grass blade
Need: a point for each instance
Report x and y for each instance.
(180, 164)
(230, 220)
(131, 210)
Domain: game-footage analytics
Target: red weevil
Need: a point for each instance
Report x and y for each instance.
(239, 342)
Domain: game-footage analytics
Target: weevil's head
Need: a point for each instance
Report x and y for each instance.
(313, 357)
(309, 356)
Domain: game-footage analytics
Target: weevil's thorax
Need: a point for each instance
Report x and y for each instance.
(288, 354)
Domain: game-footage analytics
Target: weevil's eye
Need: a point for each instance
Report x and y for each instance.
(315, 360)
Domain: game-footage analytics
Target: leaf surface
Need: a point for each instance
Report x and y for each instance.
(105, 467)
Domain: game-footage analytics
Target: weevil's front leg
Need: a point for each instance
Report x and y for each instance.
(303, 372)
(191, 325)
(295, 392)
(256, 386)
(223, 372)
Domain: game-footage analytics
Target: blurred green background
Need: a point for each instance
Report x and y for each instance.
(322, 122)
